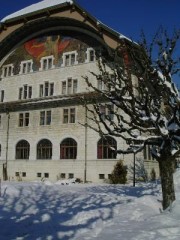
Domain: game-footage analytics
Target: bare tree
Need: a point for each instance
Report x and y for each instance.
(145, 101)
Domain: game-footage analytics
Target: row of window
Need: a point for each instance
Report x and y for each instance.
(68, 149)
(68, 58)
(69, 116)
(62, 175)
(69, 86)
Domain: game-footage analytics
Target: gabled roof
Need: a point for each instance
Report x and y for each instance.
(47, 5)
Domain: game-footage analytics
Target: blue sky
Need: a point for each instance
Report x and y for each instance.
(128, 17)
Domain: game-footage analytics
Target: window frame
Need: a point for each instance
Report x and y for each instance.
(68, 115)
(103, 148)
(69, 55)
(22, 150)
(26, 67)
(68, 149)
(44, 149)
(46, 64)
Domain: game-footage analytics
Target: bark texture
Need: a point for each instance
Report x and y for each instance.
(166, 166)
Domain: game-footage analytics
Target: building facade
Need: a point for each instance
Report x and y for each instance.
(46, 52)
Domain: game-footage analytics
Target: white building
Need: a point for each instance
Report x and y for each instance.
(45, 49)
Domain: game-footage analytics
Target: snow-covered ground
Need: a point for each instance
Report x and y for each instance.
(45, 211)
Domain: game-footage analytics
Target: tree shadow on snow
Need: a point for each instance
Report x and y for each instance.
(44, 212)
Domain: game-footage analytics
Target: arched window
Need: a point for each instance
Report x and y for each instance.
(44, 149)
(22, 150)
(68, 149)
(105, 148)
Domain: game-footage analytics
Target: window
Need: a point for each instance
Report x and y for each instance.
(69, 115)
(45, 117)
(105, 148)
(46, 175)
(44, 149)
(106, 111)
(101, 176)
(71, 175)
(63, 175)
(23, 174)
(47, 63)
(147, 153)
(25, 92)
(39, 174)
(7, 70)
(90, 55)
(70, 86)
(22, 150)
(23, 119)
(46, 89)
(26, 67)
(17, 174)
(2, 95)
(68, 149)
(69, 58)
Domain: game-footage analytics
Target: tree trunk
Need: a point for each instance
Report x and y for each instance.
(166, 166)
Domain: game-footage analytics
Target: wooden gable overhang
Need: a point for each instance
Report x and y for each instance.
(63, 17)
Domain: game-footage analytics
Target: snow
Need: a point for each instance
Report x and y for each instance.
(40, 211)
(36, 7)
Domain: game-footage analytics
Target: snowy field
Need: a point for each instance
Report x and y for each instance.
(45, 211)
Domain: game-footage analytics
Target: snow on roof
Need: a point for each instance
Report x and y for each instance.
(36, 7)
(50, 3)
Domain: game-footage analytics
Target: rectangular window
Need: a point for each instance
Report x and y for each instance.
(75, 85)
(65, 115)
(30, 92)
(46, 175)
(26, 120)
(69, 86)
(41, 92)
(47, 63)
(64, 87)
(101, 176)
(48, 117)
(20, 93)
(42, 118)
(2, 95)
(45, 117)
(23, 174)
(51, 89)
(17, 174)
(69, 115)
(72, 115)
(26, 67)
(71, 175)
(69, 58)
(91, 55)
(25, 92)
(7, 70)
(63, 175)
(23, 119)
(39, 174)
(46, 89)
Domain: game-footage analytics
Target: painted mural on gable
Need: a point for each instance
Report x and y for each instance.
(40, 47)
